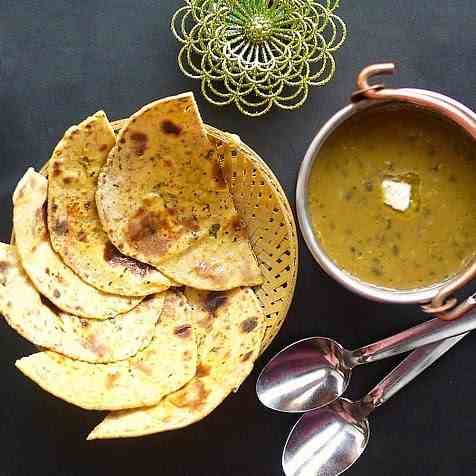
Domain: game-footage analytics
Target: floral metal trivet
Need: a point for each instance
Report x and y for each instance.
(258, 53)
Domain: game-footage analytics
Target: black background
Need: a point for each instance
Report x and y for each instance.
(63, 60)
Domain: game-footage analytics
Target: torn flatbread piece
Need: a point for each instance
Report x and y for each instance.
(163, 200)
(233, 326)
(164, 366)
(38, 320)
(61, 285)
(75, 230)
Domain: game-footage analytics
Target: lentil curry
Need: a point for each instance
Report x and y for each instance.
(435, 237)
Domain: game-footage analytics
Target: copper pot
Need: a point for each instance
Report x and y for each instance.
(437, 298)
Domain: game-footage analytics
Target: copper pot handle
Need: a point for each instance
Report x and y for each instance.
(379, 92)
(443, 305)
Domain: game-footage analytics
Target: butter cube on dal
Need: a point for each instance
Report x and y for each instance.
(397, 194)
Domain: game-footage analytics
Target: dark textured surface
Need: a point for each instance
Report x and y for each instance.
(63, 60)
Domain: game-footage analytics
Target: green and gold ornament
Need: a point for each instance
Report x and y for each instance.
(258, 53)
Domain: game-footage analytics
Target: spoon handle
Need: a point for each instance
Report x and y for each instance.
(405, 372)
(423, 334)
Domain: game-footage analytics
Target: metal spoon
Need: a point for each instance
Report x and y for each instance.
(328, 441)
(313, 372)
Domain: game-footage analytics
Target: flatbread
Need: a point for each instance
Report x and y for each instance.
(168, 363)
(233, 327)
(163, 200)
(75, 230)
(90, 340)
(45, 268)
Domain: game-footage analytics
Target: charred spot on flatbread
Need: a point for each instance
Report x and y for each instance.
(184, 330)
(82, 236)
(143, 232)
(61, 226)
(57, 169)
(203, 370)
(249, 324)
(114, 257)
(96, 347)
(169, 127)
(139, 141)
(4, 266)
(214, 229)
(42, 219)
(214, 300)
(50, 305)
(111, 380)
(153, 232)
(193, 398)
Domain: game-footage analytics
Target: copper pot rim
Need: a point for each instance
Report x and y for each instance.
(354, 284)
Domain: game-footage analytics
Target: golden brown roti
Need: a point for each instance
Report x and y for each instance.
(76, 232)
(162, 199)
(168, 363)
(232, 326)
(45, 268)
(90, 340)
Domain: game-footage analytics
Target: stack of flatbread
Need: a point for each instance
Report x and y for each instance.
(131, 270)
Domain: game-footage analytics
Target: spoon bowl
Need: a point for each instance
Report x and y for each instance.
(304, 376)
(334, 438)
(327, 441)
(314, 372)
